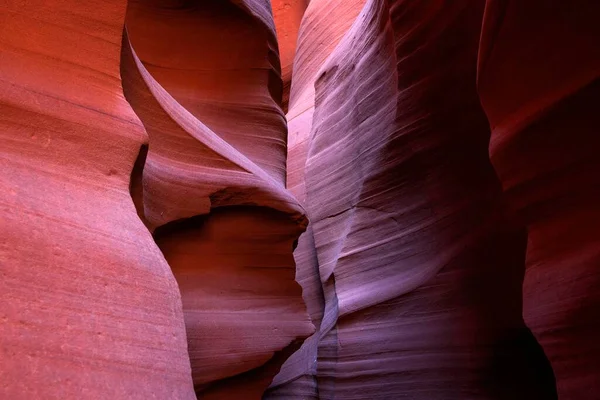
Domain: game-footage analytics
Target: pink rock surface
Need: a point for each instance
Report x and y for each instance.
(235, 267)
(90, 308)
(117, 327)
(420, 264)
(219, 60)
(153, 191)
(323, 26)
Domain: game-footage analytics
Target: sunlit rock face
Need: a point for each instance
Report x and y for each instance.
(294, 199)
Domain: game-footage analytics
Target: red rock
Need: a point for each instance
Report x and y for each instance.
(241, 302)
(287, 15)
(219, 60)
(90, 308)
(539, 69)
(234, 267)
(445, 153)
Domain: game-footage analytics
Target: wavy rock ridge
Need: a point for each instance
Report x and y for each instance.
(199, 192)
(234, 266)
(416, 253)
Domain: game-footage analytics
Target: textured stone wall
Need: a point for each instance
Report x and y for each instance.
(325, 199)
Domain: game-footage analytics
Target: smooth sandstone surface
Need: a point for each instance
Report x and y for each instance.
(89, 306)
(318, 37)
(287, 15)
(539, 83)
(324, 24)
(219, 60)
(432, 166)
(419, 263)
(234, 266)
(256, 283)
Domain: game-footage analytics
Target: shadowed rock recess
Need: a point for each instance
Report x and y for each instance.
(300, 199)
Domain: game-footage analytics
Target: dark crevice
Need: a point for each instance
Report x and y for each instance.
(135, 183)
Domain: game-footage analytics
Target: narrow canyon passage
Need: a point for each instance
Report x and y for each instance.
(300, 199)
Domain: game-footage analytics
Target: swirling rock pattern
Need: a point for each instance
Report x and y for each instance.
(109, 285)
(324, 24)
(415, 251)
(444, 152)
(234, 266)
(219, 60)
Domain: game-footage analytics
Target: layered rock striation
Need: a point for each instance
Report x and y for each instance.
(90, 308)
(419, 261)
(213, 184)
(325, 199)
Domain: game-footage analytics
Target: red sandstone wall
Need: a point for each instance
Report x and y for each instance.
(92, 308)
(287, 15)
(217, 147)
(89, 307)
(539, 70)
(440, 157)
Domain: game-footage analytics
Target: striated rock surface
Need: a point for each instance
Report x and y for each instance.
(316, 42)
(92, 307)
(323, 26)
(219, 60)
(539, 71)
(89, 307)
(420, 264)
(243, 309)
(437, 180)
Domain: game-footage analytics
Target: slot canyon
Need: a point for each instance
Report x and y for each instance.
(300, 199)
